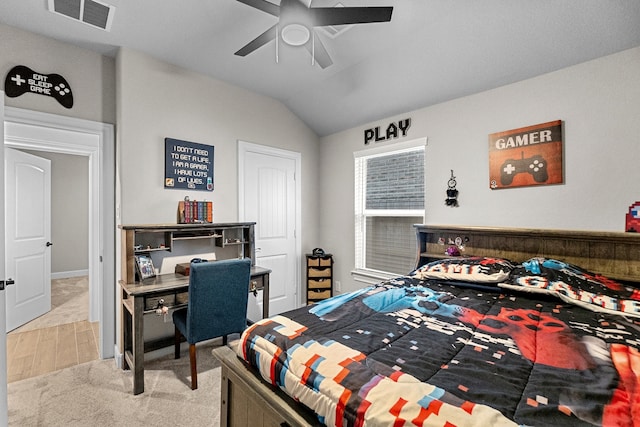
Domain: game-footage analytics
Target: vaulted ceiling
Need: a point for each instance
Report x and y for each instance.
(431, 51)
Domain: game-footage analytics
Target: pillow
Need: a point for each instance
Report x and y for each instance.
(466, 269)
(575, 285)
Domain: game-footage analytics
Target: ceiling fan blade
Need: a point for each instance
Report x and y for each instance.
(259, 41)
(323, 16)
(319, 52)
(263, 5)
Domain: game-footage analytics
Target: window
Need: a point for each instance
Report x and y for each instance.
(389, 199)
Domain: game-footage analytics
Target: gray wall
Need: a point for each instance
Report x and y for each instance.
(92, 80)
(599, 102)
(69, 213)
(156, 100)
(90, 75)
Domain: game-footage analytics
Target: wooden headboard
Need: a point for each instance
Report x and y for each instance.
(615, 255)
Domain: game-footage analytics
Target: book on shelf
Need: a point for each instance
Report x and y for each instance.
(195, 211)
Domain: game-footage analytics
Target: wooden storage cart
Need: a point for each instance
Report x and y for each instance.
(319, 277)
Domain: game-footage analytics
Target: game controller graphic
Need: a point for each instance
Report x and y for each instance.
(535, 165)
(21, 80)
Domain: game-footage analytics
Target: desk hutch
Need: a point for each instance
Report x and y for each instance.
(141, 297)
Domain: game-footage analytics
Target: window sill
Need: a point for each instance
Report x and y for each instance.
(371, 277)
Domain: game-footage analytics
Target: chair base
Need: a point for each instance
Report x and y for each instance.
(192, 360)
(192, 356)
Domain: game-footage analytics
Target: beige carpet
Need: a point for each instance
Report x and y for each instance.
(69, 303)
(99, 394)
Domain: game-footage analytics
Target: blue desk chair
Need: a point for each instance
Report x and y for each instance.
(218, 294)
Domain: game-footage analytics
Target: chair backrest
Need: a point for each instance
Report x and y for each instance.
(218, 294)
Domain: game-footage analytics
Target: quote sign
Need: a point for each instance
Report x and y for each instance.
(188, 165)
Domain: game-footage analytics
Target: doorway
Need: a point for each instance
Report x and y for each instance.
(37, 131)
(57, 334)
(269, 193)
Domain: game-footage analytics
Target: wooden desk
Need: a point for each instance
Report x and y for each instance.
(141, 298)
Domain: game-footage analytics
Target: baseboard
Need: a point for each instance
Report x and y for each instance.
(67, 274)
(118, 358)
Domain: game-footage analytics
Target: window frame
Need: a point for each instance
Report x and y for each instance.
(361, 273)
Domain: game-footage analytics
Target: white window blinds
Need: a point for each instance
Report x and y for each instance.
(389, 187)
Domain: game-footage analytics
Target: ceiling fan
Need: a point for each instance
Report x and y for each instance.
(297, 22)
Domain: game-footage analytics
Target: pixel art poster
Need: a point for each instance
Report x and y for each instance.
(526, 156)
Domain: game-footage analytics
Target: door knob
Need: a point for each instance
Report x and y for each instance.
(49, 244)
(6, 282)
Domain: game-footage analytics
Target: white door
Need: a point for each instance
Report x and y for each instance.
(270, 197)
(3, 313)
(27, 236)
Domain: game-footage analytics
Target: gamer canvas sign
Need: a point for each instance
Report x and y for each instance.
(526, 156)
(188, 165)
(22, 79)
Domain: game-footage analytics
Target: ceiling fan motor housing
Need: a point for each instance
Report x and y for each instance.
(296, 23)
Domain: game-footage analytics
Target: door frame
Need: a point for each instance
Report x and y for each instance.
(243, 148)
(101, 199)
(4, 403)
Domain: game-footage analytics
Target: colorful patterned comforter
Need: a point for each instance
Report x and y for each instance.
(439, 353)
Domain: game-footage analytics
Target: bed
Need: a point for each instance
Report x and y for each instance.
(528, 327)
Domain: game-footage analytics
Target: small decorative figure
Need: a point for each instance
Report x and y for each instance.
(632, 224)
(452, 251)
(452, 193)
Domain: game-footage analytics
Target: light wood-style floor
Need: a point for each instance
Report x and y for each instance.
(57, 340)
(39, 351)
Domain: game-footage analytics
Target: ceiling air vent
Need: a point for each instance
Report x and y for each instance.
(89, 12)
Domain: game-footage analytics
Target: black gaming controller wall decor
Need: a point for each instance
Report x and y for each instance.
(535, 165)
(21, 80)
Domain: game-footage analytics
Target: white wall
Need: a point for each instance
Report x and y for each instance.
(599, 103)
(69, 213)
(156, 100)
(91, 76)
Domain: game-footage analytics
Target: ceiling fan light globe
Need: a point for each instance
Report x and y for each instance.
(295, 34)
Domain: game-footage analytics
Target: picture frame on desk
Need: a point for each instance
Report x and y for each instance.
(144, 267)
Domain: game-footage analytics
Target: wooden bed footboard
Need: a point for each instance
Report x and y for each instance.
(247, 401)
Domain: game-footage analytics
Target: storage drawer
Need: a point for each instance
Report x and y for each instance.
(319, 283)
(256, 283)
(318, 272)
(316, 294)
(151, 302)
(319, 261)
(182, 298)
(170, 300)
